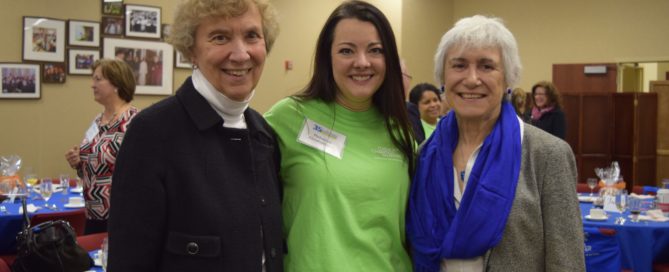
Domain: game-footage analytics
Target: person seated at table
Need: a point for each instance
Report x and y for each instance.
(491, 193)
(426, 96)
(95, 158)
(196, 185)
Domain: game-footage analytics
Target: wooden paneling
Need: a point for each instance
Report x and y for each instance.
(596, 132)
(571, 79)
(661, 88)
(571, 105)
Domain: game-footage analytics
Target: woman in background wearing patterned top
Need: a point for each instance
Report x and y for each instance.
(94, 159)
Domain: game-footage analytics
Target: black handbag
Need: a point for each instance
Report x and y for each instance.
(49, 246)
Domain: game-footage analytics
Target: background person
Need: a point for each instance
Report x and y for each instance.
(491, 193)
(547, 111)
(346, 150)
(426, 96)
(95, 158)
(519, 101)
(196, 184)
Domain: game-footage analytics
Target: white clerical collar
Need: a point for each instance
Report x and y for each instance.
(231, 111)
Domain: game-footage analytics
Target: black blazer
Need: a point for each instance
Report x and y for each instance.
(552, 122)
(416, 124)
(191, 195)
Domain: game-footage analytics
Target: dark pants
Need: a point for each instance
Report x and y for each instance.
(95, 226)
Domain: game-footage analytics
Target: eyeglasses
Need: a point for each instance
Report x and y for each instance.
(408, 76)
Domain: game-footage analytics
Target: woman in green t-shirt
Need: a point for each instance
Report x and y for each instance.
(347, 150)
(426, 96)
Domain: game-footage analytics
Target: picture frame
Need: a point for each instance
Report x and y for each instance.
(20, 81)
(112, 7)
(80, 61)
(181, 62)
(151, 62)
(143, 21)
(83, 33)
(43, 39)
(53, 72)
(112, 26)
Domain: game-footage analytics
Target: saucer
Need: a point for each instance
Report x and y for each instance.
(586, 198)
(74, 206)
(596, 218)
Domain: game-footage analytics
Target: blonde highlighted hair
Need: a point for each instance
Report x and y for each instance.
(190, 14)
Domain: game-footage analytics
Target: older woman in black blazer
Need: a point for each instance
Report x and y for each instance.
(196, 186)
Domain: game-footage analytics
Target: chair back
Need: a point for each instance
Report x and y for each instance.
(77, 219)
(4, 267)
(91, 242)
(602, 251)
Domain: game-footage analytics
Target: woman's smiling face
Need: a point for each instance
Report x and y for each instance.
(358, 63)
(474, 82)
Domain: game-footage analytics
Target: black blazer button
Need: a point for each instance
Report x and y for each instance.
(192, 248)
(263, 202)
(272, 252)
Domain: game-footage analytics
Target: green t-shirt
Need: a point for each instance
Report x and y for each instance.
(428, 128)
(340, 214)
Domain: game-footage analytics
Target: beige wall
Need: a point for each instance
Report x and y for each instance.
(574, 31)
(548, 32)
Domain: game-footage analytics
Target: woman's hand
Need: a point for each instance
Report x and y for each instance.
(72, 157)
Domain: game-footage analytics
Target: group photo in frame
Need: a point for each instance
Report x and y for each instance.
(142, 21)
(151, 63)
(83, 33)
(20, 80)
(112, 7)
(80, 61)
(43, 39)
(53, 72)
(112, 26)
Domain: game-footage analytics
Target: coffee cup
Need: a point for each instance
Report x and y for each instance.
(76, 201)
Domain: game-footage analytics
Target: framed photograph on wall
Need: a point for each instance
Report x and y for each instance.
(83, 33)
(20, 80)
(181, 62)
(112, 26)
(112, 7)
(151, 63)
(43, 39)
(142, 21)
(53, 72)
(80, 61)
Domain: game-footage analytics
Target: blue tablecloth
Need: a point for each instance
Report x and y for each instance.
(12, 222)
(641, 243)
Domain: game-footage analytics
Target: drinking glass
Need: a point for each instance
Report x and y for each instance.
(622, 200)
(64, 183)
(635, 208)
(592, 183)
(103, 254)
(31, 178)
(46, 189)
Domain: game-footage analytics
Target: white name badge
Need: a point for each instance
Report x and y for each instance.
(91, 132)
(322, 138)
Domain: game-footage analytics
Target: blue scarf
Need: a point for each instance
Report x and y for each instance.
(435, 228)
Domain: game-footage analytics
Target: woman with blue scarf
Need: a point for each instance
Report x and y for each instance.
(490, 193)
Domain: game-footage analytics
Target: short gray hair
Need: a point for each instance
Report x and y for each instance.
(480, 31)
